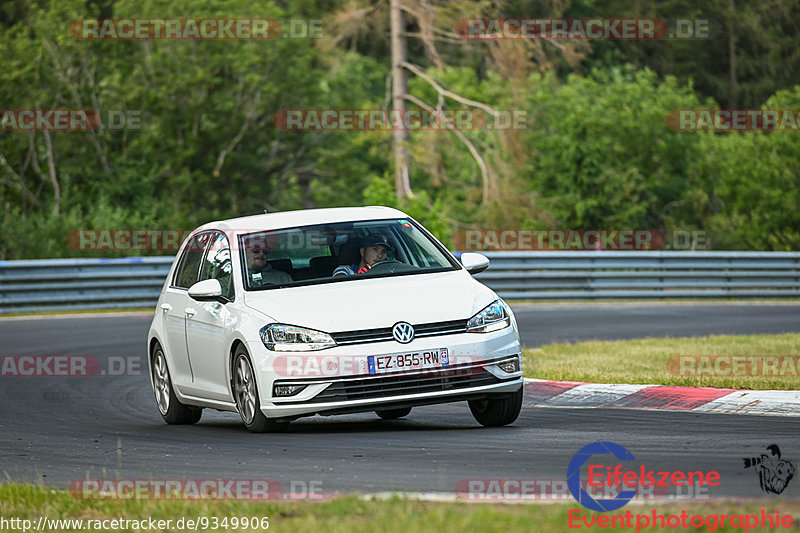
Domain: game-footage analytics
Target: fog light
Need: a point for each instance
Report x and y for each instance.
(287, 390)
(510, 366)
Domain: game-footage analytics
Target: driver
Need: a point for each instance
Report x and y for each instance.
(373, 250)
(259, 271)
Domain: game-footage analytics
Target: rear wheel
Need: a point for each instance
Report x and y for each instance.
(172, 410)
(245, 393)
(392, 414)
(498, 411)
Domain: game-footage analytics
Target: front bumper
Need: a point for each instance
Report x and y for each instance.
(474, 374)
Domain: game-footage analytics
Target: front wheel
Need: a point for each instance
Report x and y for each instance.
(498, 411)
(245, 393)
(172, 410)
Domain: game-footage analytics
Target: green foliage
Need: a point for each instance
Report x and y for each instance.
(752, 185)
(751, 49)
(207, 147)
(604, 154)
(429, 213)
(597, 152)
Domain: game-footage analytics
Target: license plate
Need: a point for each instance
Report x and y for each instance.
(398, 362)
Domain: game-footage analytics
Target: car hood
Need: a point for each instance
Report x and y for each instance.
(375, 303)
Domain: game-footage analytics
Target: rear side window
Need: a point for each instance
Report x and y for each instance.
(217, 263)
(187, 273)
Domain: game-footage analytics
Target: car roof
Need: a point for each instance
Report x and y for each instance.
(303, 217)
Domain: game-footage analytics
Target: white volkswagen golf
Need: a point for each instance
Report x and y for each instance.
(329, 311)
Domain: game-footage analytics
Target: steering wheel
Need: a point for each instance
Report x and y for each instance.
(386, 261)
(390, 266)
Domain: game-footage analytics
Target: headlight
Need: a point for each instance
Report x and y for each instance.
(493, 317)
(284, 338)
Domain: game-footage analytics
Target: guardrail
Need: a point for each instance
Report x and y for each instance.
(85, 284)
(600, 275)
(81, 284)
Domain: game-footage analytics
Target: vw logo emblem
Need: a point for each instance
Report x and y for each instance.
(403, 332)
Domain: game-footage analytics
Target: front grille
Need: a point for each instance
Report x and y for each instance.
(399, 385)
(385, 334)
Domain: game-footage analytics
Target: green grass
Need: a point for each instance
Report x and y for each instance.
(645, 361)
(350, 514)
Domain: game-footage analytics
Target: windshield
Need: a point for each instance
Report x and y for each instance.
(346, 251)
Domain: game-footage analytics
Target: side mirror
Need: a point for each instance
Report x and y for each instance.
(474, 262)
(208, 290)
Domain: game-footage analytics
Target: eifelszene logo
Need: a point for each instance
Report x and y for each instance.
(574, 476)
(774, 472)
(612, 478)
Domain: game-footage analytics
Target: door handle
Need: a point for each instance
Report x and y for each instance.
(165, 307)
(189, 311)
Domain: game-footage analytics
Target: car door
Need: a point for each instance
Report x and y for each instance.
(207, 325)
(174, 308)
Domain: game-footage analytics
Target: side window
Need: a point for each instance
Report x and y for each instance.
(187, 273)
(217, 263)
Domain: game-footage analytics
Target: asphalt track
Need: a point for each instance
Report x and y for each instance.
(57, 430)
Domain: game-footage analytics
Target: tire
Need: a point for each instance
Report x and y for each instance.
(393, 414)
(172, 410)
(245, 394)
(499, 411)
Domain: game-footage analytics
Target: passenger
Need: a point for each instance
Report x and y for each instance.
(259, 272)
(373, 250)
